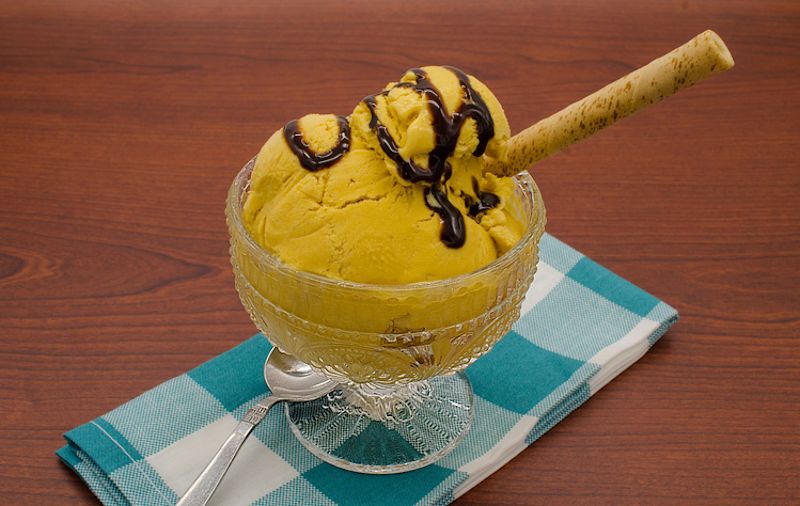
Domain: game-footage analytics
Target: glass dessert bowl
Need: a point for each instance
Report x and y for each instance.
(395, 350)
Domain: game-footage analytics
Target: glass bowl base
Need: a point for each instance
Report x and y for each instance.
(380, 430)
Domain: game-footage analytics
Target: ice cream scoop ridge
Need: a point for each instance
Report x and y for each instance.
(394, 193)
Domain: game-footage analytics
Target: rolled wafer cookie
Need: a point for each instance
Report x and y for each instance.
(701, 57)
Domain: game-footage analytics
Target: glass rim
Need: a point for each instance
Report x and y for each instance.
(534, 229)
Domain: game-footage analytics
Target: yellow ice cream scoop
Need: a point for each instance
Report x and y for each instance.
(395, 193)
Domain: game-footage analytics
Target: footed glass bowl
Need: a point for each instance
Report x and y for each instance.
(395, 350)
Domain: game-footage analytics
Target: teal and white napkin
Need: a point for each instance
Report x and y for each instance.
(581, 326)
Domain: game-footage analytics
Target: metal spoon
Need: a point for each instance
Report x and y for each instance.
(289, 380)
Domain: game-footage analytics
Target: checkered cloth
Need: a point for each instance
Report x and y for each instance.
(588, 325)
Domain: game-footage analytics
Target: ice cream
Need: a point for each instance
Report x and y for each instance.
(394, 193)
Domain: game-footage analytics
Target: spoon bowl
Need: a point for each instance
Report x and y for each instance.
(293, 380)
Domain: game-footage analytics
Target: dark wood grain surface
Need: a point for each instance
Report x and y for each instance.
(122, 124)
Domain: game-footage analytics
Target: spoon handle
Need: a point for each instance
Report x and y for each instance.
(204, 486)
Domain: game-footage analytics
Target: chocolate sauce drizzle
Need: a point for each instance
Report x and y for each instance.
(310, 159)
(446, 129)
(454, 232)
(486, 201)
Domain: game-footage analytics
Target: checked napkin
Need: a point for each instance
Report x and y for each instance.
(581, 326)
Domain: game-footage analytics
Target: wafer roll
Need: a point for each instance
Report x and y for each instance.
(701, 57)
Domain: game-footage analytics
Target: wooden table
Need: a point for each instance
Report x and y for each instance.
(121, 126)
